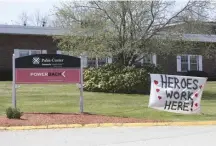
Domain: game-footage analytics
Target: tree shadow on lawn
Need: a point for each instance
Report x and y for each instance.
(207, 95)
(59, 113)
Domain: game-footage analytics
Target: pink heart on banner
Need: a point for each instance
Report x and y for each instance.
(196, 104)
(196, 95)
(156, 82)
(158, 90)
(159, 97)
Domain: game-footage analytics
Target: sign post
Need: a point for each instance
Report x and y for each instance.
(81, 84)
(13, 83)
(47, 69)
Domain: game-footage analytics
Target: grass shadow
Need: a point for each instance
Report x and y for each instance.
(58, 113)
(208, 95)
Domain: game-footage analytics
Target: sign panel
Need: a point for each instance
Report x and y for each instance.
(48, 61)
(41, 76)
(47, 68)
(177, 94)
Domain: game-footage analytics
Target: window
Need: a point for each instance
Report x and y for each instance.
(147, 59)
(96, 62)
(32, 52)
(189, 62)
(23, 52)
(89, 62)
(194, 62)
(65, 52)
(184, 63)
(102, 61)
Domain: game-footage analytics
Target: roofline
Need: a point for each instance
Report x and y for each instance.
(50, 31)
(212, 23)
(188, 37)
(30, 30)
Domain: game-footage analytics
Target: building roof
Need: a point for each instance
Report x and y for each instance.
(30, 30)
(199, 37)
(35, 30)
(187, 37)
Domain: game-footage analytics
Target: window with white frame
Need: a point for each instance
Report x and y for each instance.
(189, 62)
(184, 63)
(96, 62)
(26, 52)
(101, 61)
(148, 59)
(65, 52)
(89, 61)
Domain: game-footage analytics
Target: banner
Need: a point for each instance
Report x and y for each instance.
(177, 94)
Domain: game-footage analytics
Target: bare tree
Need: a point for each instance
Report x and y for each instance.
(23, 19)
(122, 29)
(37, 19)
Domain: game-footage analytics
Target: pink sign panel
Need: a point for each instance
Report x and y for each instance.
(48, 76)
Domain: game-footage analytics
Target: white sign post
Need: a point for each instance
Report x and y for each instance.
(177, 94)
(13, 83)
(81, 85)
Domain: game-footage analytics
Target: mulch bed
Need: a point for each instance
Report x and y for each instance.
(35, 119)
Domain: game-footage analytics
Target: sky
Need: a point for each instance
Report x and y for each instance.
(10, 10)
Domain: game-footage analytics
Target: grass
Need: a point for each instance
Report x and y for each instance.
(65, 98)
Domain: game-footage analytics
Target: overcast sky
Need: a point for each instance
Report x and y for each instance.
(10, 10)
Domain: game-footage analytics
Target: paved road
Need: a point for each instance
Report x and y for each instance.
(119, 136)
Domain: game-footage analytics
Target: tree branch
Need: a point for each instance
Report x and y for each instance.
(169, 20)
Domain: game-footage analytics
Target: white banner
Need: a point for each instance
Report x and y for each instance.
(178, 94)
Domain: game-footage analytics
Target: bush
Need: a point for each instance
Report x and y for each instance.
(197, 73)
(115, 78)
(13, 113)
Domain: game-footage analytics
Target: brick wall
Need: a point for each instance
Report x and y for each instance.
(10, 42)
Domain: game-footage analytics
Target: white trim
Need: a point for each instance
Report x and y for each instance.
(178, 61)
(154, 59)
(16, 53)
(142, 60)
(44, 51)
(109, 60)
(96, 62)
(189, 56)
(200, 63)
(85, 61)
(58, 52)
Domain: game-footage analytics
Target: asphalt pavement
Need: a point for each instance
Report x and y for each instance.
(117, 136)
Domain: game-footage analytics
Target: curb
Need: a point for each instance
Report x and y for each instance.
(199, 123)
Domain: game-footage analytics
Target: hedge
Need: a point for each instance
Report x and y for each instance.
(115, 78)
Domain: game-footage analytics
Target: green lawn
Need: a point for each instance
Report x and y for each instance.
(65, 98)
